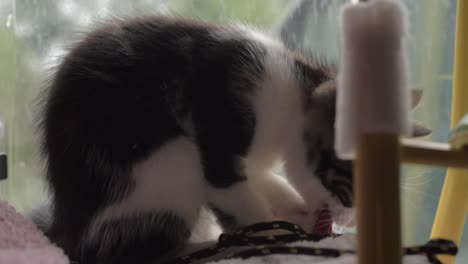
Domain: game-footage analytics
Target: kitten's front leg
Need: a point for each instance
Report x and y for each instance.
(239, 205)
(285, 202)
(224, 134)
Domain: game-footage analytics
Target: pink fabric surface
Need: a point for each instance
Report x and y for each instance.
(21, 242)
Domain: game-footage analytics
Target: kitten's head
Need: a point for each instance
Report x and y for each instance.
(335, 175)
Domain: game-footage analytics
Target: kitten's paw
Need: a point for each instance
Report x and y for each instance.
(286, 203)
(296, 215)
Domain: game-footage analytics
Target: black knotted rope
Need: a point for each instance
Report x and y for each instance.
(275, 244)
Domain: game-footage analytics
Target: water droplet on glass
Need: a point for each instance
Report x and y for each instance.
(9, 20)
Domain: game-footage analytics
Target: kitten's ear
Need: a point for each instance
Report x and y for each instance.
(420, 130)
(324, 96)
(321, 106)
(416, 95)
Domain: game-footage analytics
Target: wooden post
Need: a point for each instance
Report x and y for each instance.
(433, 154)
(377, 192)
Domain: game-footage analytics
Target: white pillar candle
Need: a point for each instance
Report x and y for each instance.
(373, 92)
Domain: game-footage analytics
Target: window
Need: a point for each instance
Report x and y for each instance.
(34, 32)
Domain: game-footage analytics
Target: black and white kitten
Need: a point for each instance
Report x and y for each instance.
(147, 120)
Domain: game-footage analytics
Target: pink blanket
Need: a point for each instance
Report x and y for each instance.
(21, 242)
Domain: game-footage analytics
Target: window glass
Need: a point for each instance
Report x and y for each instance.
(34, 33)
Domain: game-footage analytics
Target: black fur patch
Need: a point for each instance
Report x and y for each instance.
(225, 75)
